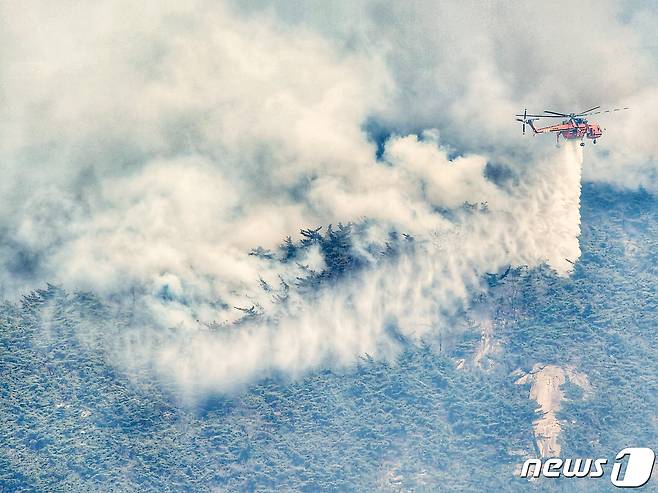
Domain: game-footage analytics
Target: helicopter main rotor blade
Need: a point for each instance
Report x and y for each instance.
(544, 116)
(587, 111)
(556, 113)
(609, 111)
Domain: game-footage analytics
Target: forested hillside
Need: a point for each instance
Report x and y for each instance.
(441, 417)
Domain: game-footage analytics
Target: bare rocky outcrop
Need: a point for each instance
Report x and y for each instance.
(545, 388)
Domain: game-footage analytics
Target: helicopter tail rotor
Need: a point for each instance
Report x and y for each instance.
(525, 114)
(527, 120)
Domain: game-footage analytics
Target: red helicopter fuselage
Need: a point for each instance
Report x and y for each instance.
(577, 128)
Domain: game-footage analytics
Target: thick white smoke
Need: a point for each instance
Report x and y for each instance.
(147, 149)
(464, 67)
(408, 296)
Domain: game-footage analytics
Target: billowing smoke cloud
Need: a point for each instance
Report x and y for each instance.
(408, 298)
(464, 68)
(148, 149)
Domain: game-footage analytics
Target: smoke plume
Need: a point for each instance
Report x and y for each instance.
(148, 150)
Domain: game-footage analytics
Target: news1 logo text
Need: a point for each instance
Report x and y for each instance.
(639, 462)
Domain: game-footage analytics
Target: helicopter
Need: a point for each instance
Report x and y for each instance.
(574, 125)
